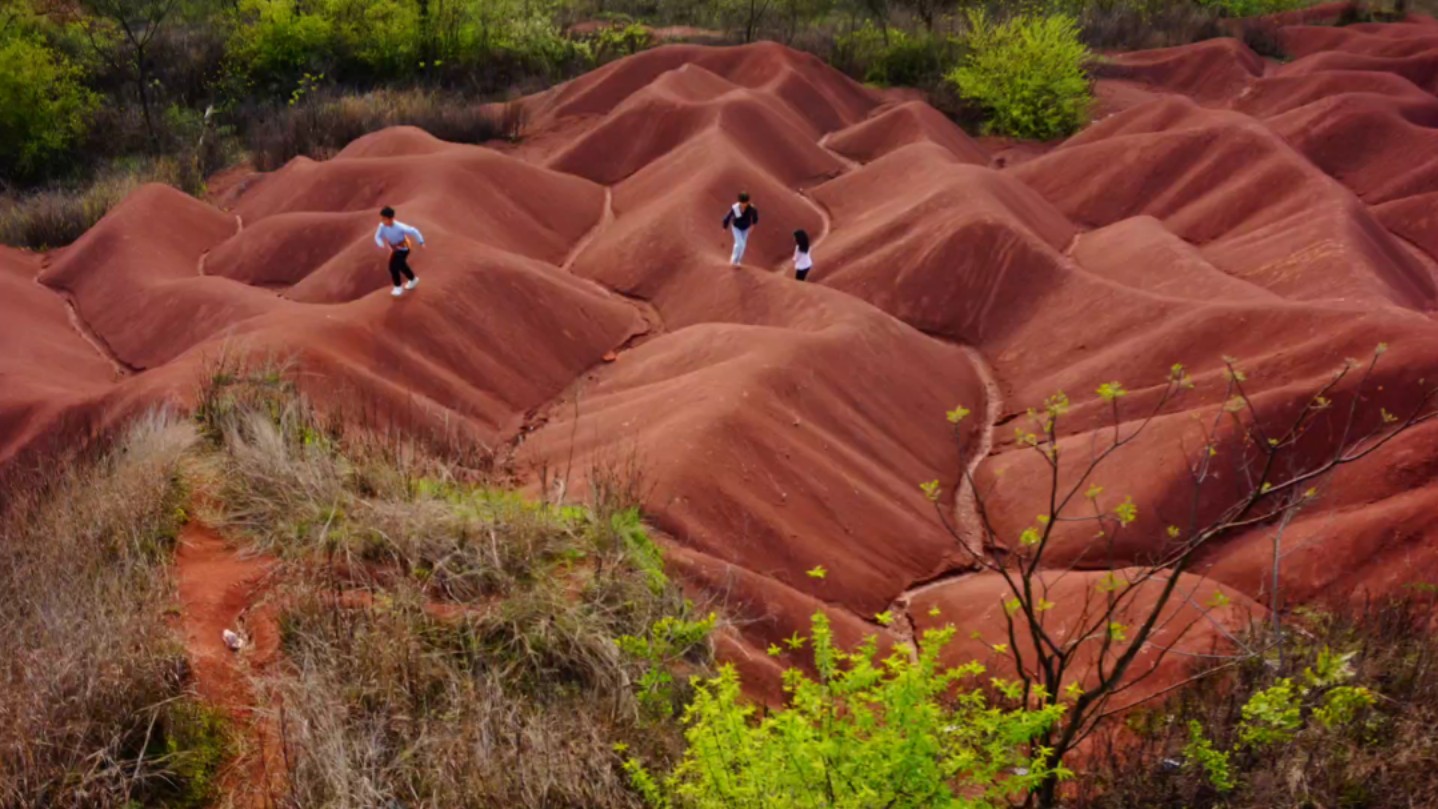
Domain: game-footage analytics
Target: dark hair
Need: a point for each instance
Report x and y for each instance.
(802, 239)
(743, 196)
(387, 212)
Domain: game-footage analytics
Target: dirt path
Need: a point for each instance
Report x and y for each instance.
(95, 341)
(606, 218)
(968, 522)
(218, 588)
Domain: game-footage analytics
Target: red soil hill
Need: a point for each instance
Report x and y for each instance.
(1278, 213)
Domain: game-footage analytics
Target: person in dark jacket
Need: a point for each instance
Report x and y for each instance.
(741, 217)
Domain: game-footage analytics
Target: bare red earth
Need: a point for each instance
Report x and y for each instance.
(1223, 205)
(219, 590)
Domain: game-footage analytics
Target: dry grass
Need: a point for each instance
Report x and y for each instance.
(445, 643)
(1382, 761)
(322, 124)
(93, 703)
(58, 216)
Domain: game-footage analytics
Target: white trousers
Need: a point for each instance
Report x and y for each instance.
(741, 241)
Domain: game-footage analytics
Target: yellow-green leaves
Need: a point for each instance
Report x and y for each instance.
(1126, 512)
(1030, 536)
(931, 490)
(816, 572)
(1117, 632)
(1111, 582)
(1111, 391)
(958, 414)
(1218, 600)
(774, 650)
(885, 618)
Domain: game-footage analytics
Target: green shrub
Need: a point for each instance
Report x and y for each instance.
(614, 42)
(44, 107)
(277, 42)
(1254, 8)
(898, 59)
(1028, 74)
(901, 732)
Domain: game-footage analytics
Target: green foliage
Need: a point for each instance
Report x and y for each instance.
(279, 39)
(1027, 73)
(1271, 716)
(900, 731)
(44, 106)
(1201, 752)
(1254, 8)
(196, 746)
(668, 641)
(276, 41)
(895, 58)
(614, 42)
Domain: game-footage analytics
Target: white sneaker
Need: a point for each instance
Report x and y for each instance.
(397, 291)
(412, 283)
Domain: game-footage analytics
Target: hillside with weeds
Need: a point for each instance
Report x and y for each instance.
(445, 642)
(95, 707)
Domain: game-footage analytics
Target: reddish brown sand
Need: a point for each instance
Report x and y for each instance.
(218, 590)
(1223, 205)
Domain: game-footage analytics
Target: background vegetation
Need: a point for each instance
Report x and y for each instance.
(100, 95)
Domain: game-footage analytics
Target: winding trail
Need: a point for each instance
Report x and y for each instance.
(219, 589)
(968, 522)
(606, 218)
(89, 335)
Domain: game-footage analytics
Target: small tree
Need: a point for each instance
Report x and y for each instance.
(1278, 464)
(746, 15)
(1028, 74)
(901, 732)
(928, 11)
(121, 32)
(44, 108)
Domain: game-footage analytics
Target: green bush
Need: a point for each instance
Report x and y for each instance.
(901, 732)
(277, 41)
(1254, 8)
(898, 59)
(615, 42)
(44, 107)
(1028, 74)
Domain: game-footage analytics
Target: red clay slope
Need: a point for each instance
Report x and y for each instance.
(1231, 206)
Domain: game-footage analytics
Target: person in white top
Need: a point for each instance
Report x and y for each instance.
(803, 261)
(397, 237)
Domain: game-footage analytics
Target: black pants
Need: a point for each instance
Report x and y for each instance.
(802, 274)
(399, 263)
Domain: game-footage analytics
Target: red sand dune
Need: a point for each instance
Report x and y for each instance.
(1231, 205)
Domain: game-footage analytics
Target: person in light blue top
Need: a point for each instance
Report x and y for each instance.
(398, 237)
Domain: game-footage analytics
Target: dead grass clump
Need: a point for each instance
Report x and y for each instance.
(93, 702)
(447, 643)
(321, 124)
(58, 216)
